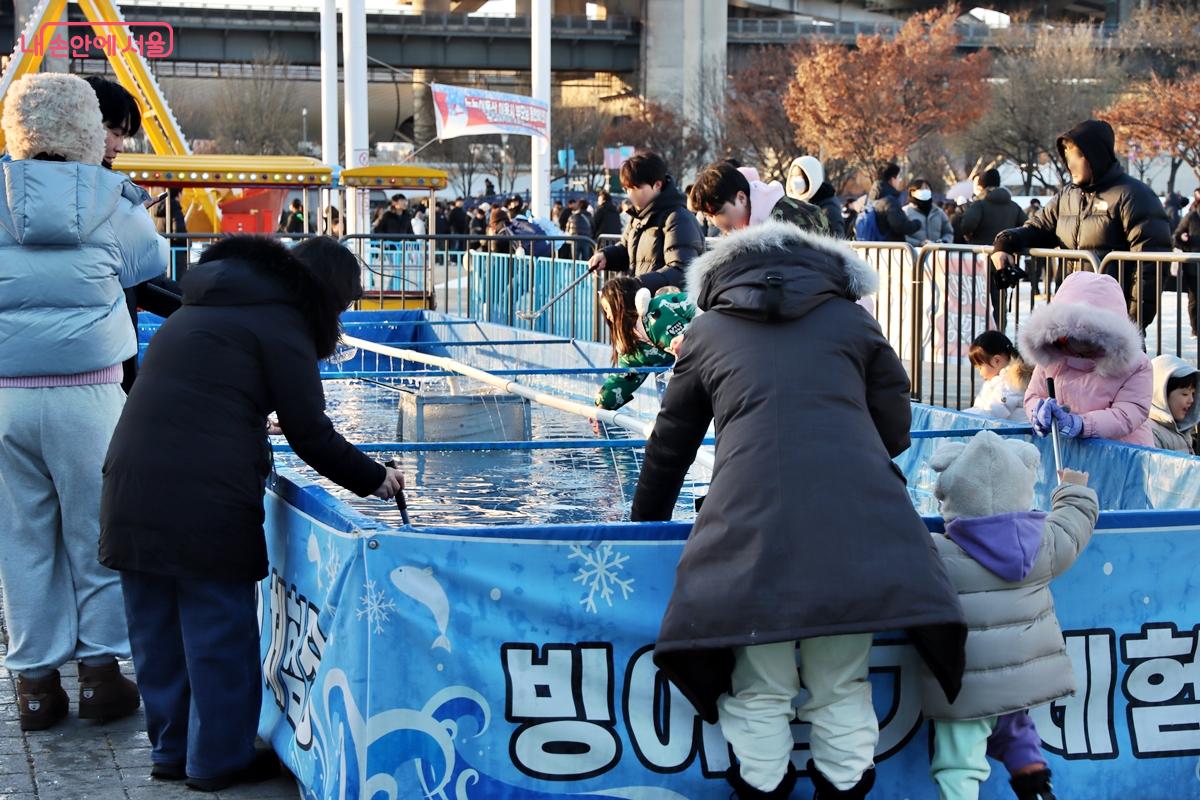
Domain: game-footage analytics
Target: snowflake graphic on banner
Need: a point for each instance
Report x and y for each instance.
(599, 573)
(375, 606)
(333, 563)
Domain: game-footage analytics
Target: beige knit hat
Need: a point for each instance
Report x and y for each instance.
(56, 114)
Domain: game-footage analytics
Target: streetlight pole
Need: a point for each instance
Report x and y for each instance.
(304, 125)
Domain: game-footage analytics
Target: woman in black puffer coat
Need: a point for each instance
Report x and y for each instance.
(808, 539)
(182, 505)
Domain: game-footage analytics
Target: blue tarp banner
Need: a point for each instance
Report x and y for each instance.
(460, 664)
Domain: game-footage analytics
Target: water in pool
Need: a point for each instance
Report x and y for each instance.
(504, 487)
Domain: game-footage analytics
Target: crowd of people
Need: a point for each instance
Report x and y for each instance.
(134, 498)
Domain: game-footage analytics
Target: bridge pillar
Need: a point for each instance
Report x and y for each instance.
(685, 70)
(424, 124)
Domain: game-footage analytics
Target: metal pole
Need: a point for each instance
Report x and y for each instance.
(354, 64)
(540, 148)
(329, 85)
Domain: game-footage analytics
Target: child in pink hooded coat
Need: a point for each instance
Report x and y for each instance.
(1086, 342)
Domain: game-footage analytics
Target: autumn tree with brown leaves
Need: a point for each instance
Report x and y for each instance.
(1160, 117)
(871, 104)
(757, 128)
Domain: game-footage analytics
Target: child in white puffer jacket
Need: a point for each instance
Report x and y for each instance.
(1006, 377)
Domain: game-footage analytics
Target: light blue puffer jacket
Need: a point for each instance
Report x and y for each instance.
(72, 236)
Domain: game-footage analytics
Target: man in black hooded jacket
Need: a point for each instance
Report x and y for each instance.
(1102, 210)
(893, 223)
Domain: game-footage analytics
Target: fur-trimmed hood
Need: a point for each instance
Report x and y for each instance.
(54, 114)
(739, 275)
(256, 270)
(1089, 307)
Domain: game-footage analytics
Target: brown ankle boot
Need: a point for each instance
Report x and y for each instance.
(42, 702)
(104, 693)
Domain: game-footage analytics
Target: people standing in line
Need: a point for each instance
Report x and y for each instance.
(395, 220)
(663, 238)
(992, 212)
(560, 212)
(1187, 239)
(498, 222)
(732, 200)
(1102, 210)
(885, 210)
(579, 223)
(333, 222)
(478, 226)
(829, 426)
(256, 319)
(159, 295)
(1103, 381)
(291, 219)
(1001, 557)
(806, 183)
(607, 220)
(83, 236)
(458, 223)
(935, 227)
(420, 220)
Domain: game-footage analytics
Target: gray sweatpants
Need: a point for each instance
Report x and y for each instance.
(59, 602)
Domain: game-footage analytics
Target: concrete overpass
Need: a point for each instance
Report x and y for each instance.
(671, 51)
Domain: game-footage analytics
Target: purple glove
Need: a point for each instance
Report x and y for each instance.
(1069, 425)
(1043, 416)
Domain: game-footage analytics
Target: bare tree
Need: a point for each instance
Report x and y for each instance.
(463, 158)
(257, 115)
(658, 128)
(583, 129)
(1043, 86)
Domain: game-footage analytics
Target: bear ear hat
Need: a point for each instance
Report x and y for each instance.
(641, 301)
(946, 455)
(1030, 456)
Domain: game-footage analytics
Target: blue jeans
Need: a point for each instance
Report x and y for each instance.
(195, 646)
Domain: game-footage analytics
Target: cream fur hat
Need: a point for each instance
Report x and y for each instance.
(55, 114)
(988, 475)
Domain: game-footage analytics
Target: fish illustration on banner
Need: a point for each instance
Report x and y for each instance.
(420, 585)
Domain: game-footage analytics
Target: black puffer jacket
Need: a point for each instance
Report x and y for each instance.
(659, 243)
(1189, 225)
(828, 201)
(187, 465)
(808, 529)
(893, 223)
(607, 221)
(983, 219)
(1112, 212)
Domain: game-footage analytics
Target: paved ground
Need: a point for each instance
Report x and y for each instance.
(87, 761)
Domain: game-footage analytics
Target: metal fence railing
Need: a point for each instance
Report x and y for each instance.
(931, 302)
(896, 303)
(495, 278)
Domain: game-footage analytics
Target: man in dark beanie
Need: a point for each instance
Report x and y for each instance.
(1102, 210)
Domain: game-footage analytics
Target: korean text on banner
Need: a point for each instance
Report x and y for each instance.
(462, 111)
